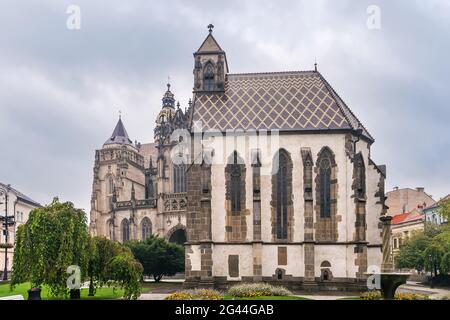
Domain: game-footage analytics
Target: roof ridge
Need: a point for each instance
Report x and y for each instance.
(271, 72)
(338, 102)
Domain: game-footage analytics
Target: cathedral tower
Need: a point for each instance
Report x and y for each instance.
(210, 66)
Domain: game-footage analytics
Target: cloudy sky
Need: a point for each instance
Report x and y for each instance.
(61, 90)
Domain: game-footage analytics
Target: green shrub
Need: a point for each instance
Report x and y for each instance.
(250, 290)
(198, 294)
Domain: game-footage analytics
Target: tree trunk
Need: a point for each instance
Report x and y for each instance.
(157, 277)
(91, 288)
(75, 294)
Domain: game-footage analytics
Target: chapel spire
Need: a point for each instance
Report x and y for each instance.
(210, 66)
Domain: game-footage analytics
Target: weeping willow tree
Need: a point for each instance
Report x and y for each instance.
(54, 238)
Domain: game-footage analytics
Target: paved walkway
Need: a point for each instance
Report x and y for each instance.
(153, 296)
(417, 287)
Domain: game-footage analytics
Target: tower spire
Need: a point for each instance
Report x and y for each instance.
(210, 27)
(119, 134)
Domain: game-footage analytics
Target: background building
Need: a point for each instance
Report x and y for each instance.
(407, 199)
(432, 214)
(19, 208)
(137, 190)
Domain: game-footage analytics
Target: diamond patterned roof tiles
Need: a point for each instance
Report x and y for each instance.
(287, 101)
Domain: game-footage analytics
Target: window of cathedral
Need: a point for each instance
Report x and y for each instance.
(360, 177)
(326, 196)
(325, 164)
(282, 195)
(146, 228)
(179, 178)
(208, 77)
(125, 230)
(110, 225)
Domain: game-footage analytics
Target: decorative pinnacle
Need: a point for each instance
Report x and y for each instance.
(315, 64)
(210, 27)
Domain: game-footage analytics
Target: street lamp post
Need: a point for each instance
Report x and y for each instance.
(5, 191)
(430, 257)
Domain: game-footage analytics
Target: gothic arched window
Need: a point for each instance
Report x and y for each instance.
(149, 193)
(179, 178)
(325, 183)
(110, 225)
(282, 194)
(125, 230)
(360, 177)
(235, 176)
(110, 191)
(325, 186)
(146, 228)
(208, 77)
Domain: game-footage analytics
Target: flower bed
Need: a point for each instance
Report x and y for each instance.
(251, 290)
(198, 294)
(376, 295)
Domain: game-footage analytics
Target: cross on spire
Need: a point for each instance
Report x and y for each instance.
(210, 27)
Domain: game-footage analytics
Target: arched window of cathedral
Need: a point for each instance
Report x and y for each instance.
(125, 230)
(360, 177)
(208, 77)
(110, 226)
(325, 163)
(179, 178)
(282, 194)
(235, 174)
(149, 190)
(236, 223)
(110, 191)
(282, 197)
(146, 228)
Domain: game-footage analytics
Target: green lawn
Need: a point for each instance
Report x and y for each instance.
(226, 297)
(101, 294)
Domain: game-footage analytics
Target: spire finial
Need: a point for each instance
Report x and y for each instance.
(210, 27)
(120, 114)
(315, 64)
(168, 83)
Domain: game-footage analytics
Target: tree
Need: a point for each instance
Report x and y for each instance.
(411, 252)
(54, 238)
(158, 257)
(127, 273)
(113, 264)
(444, 209)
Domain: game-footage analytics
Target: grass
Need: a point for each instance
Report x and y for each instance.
(104, 293)
(227, 297)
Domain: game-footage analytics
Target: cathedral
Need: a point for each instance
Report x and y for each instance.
(264, 177)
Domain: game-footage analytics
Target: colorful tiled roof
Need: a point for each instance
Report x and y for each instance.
(288, 101)
(407, 217)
